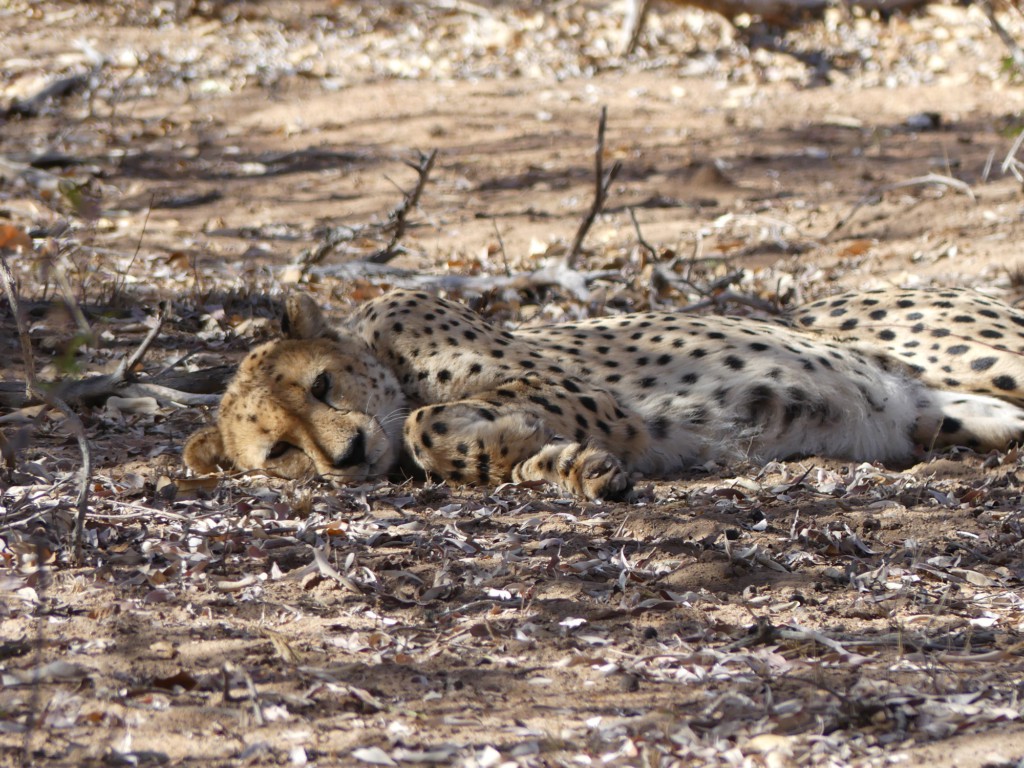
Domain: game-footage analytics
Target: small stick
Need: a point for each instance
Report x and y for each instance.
(196, 388)
(988, 166)
(397, 219)
(602, 182)
(727, 297)
(1010, 162)
(116, 288)
(128, 364)
(60, 270)
(33, 105)
(328, 570)
(34, 390)
(26, 343)
(928, 178)
(167, 394)
(932, 178)
(397, 222)
(501, 248)
(333, 238)
(640, 235)
(634, 24)
(1016, 53)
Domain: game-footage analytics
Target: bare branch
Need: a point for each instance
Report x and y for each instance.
(398, 217)
(194, 388)
(1010, 163)
(10, 290)
(396, 223)
(320, 555)
(555, 273)
(501, 247)
(633, 26)
(34, 390)
(719, 300)
(929, 178)
(60, 270)
(651, 251)
(1016, 52)
(602, 183)
(128, 364)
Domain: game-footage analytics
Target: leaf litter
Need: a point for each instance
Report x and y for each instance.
(814, 613)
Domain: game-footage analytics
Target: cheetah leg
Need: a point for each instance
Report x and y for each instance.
(586, 469)
(475, 441)
(977, 421)
(469, 441)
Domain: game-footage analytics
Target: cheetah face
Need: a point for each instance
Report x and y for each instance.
(304, 407)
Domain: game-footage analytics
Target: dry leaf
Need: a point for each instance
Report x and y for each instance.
(14, 238)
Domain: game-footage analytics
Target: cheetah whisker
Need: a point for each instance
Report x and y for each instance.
(397, 415)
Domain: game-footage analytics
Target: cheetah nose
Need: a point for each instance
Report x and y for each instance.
(354, 454)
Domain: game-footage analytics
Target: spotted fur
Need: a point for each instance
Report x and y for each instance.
(589, 405)
(952, 338)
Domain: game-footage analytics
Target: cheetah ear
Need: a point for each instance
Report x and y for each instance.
(302, 318)
(204, 451)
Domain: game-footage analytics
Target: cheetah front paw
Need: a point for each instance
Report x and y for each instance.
(585, 470)
(594, 473)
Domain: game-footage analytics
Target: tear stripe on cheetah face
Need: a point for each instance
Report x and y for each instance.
(587, 405)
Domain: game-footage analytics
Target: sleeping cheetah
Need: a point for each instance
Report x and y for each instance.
(588, 405)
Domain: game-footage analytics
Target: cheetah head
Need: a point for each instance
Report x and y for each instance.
(314, 403)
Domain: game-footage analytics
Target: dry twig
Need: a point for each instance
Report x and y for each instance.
(1016, 52)
(328, 570)
(633, 26)
(396, 223)
(929, 178)
(555, 273)
(197, 388)
(398, 217)
(602, 183)
(501, 247)
(32, 389)
(33, 105)
(719, 300)
(1011, 164)
(128, 364)
(651, 250)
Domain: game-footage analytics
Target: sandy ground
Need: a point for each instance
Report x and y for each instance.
(806, 613)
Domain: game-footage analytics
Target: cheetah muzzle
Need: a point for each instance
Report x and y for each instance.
(588, 406)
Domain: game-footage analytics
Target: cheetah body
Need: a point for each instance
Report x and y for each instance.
(588, 405)
(953, 339)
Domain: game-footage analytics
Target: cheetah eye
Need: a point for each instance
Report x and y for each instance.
(279, 449)
(320, 386)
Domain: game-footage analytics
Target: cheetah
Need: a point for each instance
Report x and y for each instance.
(590, 405)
